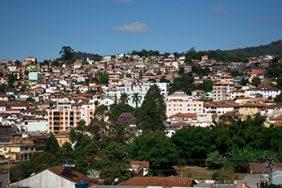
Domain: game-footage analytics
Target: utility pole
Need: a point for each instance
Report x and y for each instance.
(270, 166)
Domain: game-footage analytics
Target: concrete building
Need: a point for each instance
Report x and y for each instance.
(18, 149)
(265, 92)
(34, 76)
(58, 176)
(4, 179)
(180, 102)
(63, 119)
(33, 124)
(222, 91)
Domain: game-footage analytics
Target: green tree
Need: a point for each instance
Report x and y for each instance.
(278, 98)
(256, 81)
(207, 85)
(151, 115)
(223, 175)
(236, 73)
(114, 163)
(116, 110)
(52, 145)
(103, 79)
(136, 98)
(279, 82)
(11, 80)
(244, 81)
(85, 151)
(66, 53)
(193, 144)
(30, 99)
(81, 125)
(3, 87)
(184, 82)
(154, 147)
(67, 152)
(124, 98)
(239, 159)
(214, 160)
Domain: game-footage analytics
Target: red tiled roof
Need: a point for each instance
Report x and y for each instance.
(158, 181)
(220, 104)
(71, 175)
(184, 115)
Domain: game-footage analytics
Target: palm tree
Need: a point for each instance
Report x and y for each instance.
(123, 98)
(136, 98)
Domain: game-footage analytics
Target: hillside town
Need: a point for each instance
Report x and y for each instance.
(56, 97)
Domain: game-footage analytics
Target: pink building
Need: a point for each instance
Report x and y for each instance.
(63, 119)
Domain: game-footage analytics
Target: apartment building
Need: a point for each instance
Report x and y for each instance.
(180, 102)
(222, 91)
(63, 119)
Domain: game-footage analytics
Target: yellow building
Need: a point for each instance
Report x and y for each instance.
(18, 149)
(250, 109)
(62, 137)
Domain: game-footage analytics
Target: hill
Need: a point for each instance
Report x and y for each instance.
(274, 48)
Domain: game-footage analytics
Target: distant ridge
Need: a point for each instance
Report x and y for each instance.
(274, 48)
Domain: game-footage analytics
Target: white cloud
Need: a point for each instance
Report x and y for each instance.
(132, 27)
(220, 10)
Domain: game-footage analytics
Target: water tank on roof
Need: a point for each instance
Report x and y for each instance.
(82, 184)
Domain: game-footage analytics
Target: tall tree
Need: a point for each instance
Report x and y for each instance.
(114, 163)
(151, 115)
(11, 80)
(66, 53)
(124, 98)
(154, 147)
(52, 145)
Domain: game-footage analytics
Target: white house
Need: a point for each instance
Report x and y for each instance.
(265, 92)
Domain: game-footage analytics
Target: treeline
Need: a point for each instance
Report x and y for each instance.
(111, 141)
(235, 55)
(274, 48)
(68, 55)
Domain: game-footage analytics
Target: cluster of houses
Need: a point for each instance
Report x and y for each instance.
(37, 98)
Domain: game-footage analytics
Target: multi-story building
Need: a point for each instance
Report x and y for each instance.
(180, 102)
(63, 119)
(18, 149)
(222, 91)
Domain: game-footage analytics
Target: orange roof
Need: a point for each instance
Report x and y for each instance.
(184, 115)
(220, 104)
(71, 175)
(159, 181)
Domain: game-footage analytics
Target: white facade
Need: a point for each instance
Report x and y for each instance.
(45, 179)
(36, 125)
(34, 76)
(141, 89)
(264, 92)
(180, 102)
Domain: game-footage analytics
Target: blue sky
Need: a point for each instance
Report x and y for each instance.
(41, 27)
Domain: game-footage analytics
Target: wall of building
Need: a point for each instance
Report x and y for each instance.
(45, 179)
